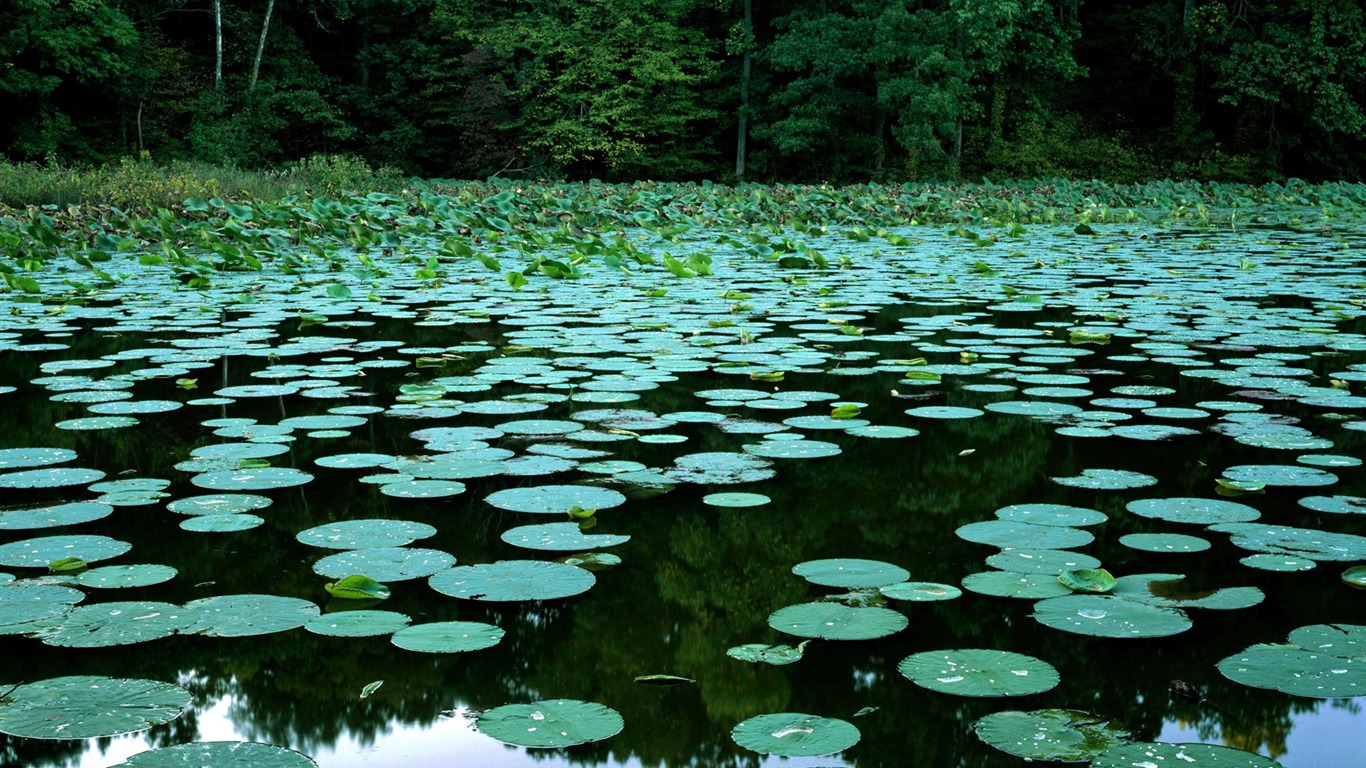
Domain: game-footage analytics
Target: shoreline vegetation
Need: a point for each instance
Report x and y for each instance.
(200, 220)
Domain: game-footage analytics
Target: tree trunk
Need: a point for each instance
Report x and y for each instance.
(744, 95)
(260, 47)
(218, 46)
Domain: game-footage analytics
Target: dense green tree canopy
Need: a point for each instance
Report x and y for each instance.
(814, 90)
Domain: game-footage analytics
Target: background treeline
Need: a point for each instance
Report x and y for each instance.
(799, 90)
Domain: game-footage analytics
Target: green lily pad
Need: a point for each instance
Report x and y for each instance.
(365, 534)
(1194, 511)
(555, 499)
(979, 672)
(1108, 616)
(71, 513)
(357, 587)
(944, 412)
(219, 754)
(1007, 534)
(422, 489)
(246, 615)
(550, 724)
(385, 563)
(920, 591)
(1355, 577)
(1172, 591)
(720, 468)
(559, 537)
(1164, 542)
(19, 458)
(794, 734)
(1028, 586)
(1345, 641)
(362, 623)
(1278, 563)
(125, 576)
(1165, 755)
(510, 580)
(1296, 671)
(1286, 540)
(39, 552)
(1107, 479)
(265, 478)
(1336, 505)
(1051, 514)
(54, 477)
(219, 504)
(835, 621)
(86, 706)
(735, 499)
(27, 607)
(1280, 474)
(850, 573)
(758, 653)
(1062, 735)
(1050, 561)
(122, 623)
(221, 523)
(448, 637)
(592, 561)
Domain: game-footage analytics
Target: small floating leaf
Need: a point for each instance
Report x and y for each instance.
(794, 734)
(1087, 580)
(548, 724)
(979, 672)
(357, 587)
(663, 680)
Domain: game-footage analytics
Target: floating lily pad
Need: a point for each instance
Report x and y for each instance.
(1164, 755)
(1355, 577)
(365, 534)
(1047, 561)
(1194, 511)
(219, 504)
(734, 499)
(1172, 591)
(1004, 533)
(510, 580)
(71, 513)
(422, 489)
(920, 591)
(1296, 671)
(385, 563)
(793, 734)
(122, 623)
(1051, 514)
(245, 615)
(1096, 580)
(794, 449)
(265, 478)
(219, 754)
(1296, 542)
(850, 573)
(1336, 505)
(1107, 479)
(1062, 735)
(835, 621)
(559, 537)
(758, 653)
(1280, 474)
(1278, 563)
(1029, 586)
(448, 637)
(944, 412)
(1107, 616)
(978, 672)
(37, 553)
(19, 458)
(720, 468)
(86, 706)
(125, 576)
(52, 477)
(362, 623)
(221, 523)
(555, 499)
(92, 423)
(592, 561)
(1164, 542)
(550, 724)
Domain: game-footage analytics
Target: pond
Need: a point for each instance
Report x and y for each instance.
(959, 498)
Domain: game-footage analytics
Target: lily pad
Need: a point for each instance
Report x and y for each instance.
(550, 724)
(448, 637)
(1280, 474)
(835, 621)
(559, 537)
(39, 552)
(979, 672)
(1107, 616)
(53, 516)
(1107, 479)
(365, 534)
(920, 591)
(1096, 580)
(219, 754)
(1165, 755)
(555, 499)
(125, 576)
(511, 580)
(850, 573)
(1004, 533)
(1296, 671)
(122, 623)
(221, 523)
(1164, 542)
(1297, 542)
(794, 734)
(357, 587)
(363, 623)
(54, 477)
(385, 563)
(1195, 511)
(265, 478)
(19, 458)
(758, 653)
(1028, 586)
(86, 706)
(735, 499)
(1063, 735)
(1050, 561)
(246, 615)
(1051, 514)
(1336, 505)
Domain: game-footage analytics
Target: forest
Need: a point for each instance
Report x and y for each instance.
(728, 90)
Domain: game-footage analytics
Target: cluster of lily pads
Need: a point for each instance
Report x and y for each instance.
(551, 369)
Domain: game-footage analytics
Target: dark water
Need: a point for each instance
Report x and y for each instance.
(694, 581)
